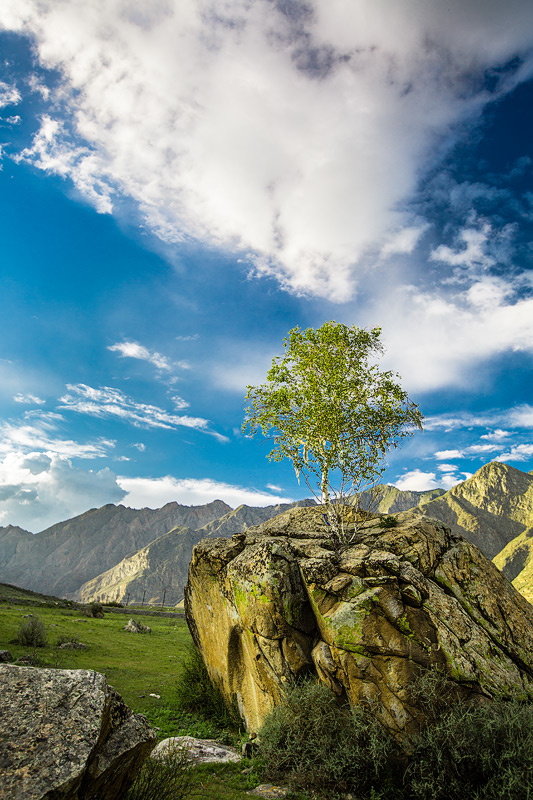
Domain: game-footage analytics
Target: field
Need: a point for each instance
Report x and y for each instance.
(136, 665)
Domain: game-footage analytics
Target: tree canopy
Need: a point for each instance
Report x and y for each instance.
(330, 409)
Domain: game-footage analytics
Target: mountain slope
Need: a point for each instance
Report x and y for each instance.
(490, 509)
(516, 563)
(387, 499)
(63, 557)
(162, 565)
(244, 517)
(157, 571)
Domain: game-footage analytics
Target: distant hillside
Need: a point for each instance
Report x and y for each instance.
(386, 499)
(156, 571)
(247, 516)
(63, 557)
(490, 509)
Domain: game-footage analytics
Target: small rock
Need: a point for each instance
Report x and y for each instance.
(72, 646)
(5, 656)
(201, 751)
(158, 696)
(269, 791)
(137, 627)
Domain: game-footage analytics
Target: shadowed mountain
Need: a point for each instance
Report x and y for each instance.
(155, 573)
(63, 557)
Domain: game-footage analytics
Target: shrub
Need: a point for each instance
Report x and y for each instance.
(311, 742)
(96, 610)
(31, 633)
(475, 753)
(196, 693)
(388, 522)
(166, 778)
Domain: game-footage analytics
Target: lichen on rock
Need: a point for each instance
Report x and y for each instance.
(66, 734)
(278, 601)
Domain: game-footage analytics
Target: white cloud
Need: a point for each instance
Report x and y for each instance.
(518, 452)
(496, 436)
(417, 481)
(136, 350)
(155, 492)
(29, 399)
(447, 468)
(112, 403)
(39, 431)
(435, 340)
(517, 417)
(179, 403)
(9, 95)
(442, 455)
(38, 489)
(293, 132)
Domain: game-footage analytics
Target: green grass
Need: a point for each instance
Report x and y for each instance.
(136, 665)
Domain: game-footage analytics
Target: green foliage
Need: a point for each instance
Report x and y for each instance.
(330, 411)
(475, 753)
(95, 610)
(311, 742)
(196, 694)
(388, 522)
(31, 633)
(167, 778)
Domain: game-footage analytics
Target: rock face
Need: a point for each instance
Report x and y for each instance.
(65, 734)
(278, 601)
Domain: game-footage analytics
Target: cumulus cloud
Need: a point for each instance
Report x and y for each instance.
(114, 404)
(419, 481)
(291, 131)
(435, 340)
(155, 492)
(39, 489)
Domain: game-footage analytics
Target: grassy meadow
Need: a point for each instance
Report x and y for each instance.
(136, 665)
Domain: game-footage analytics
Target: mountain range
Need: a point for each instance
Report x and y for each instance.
(122, 554)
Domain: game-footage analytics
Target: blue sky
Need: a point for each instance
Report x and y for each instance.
(183, 182)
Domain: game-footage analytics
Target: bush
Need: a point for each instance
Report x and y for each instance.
(388, 522)
(195, 692)
(31, 633)
(475, 753)
(311, 742)
(166, 778)
(96, 610)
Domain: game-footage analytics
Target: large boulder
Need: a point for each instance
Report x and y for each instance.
(66, 734)
(277, 601)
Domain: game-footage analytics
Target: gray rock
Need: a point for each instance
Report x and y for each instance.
(66, 734)
(200, 751)
(269, 791)
(73, 646)
(5, 656)
(137, 627)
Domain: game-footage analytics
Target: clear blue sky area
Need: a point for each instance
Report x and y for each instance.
(181, 185)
